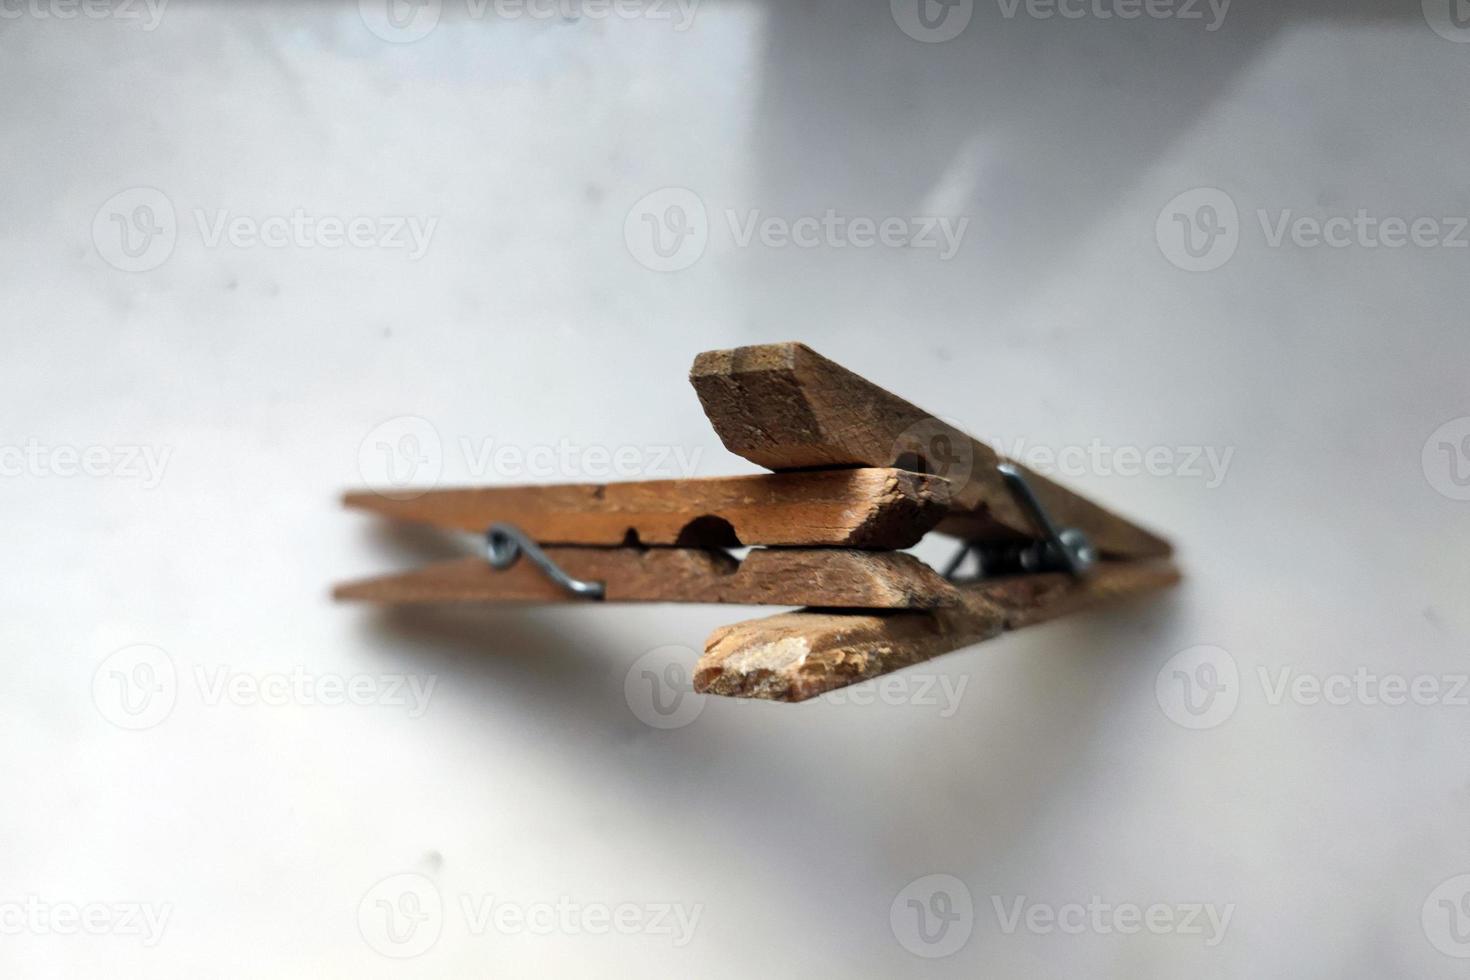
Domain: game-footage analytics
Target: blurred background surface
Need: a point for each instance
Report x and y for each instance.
(258, 253)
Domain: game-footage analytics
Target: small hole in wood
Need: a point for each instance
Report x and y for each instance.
(707, 531)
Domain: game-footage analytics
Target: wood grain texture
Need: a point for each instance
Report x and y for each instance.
(784, 407)
(799, 655)
(851, 508)
(836, 578)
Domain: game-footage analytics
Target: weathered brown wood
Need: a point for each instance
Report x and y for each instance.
(852, 508)
(796, 656)
(786, 407)
(799, 655)
(838, 578)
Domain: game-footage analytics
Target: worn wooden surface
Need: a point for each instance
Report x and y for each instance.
(786, 407)
(783, 577)
(799, 655)
(851, 508)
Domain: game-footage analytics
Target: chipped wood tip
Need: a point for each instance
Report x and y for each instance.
(800, 655)
(752, 357)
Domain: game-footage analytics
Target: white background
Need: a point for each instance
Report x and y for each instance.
(1060, 775)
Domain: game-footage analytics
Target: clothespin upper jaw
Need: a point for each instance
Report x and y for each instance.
(786, 407)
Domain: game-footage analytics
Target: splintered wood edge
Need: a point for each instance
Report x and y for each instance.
(784, 577)
(852, 508)
(799, 655)
(784, 406)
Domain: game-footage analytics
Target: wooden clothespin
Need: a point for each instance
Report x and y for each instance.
(858, 474)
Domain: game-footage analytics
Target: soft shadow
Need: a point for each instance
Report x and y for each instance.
(1032, 128)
